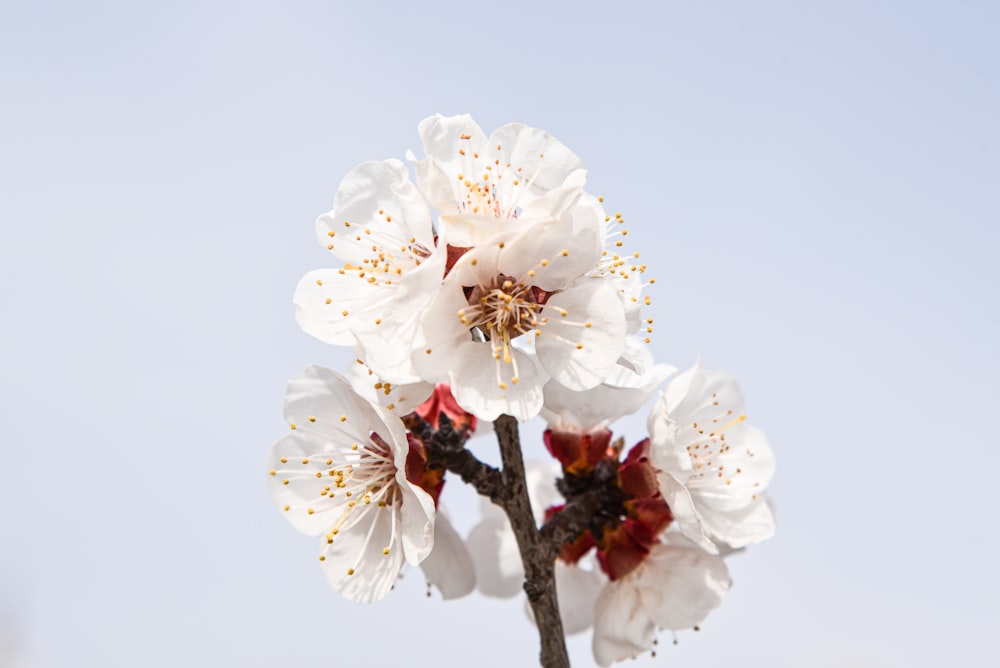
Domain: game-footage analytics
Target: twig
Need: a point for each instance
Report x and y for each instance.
(537, 554)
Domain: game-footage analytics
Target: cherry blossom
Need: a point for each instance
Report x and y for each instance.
(340, 474)
(674, 588)
(713, 466)
(484, 186)
(380, 230)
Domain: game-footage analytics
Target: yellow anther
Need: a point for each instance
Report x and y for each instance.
(350, 571)
(343, 418)
(284, 460)
(312, 418)
(310, 511)
(272, 472)
(292, 426)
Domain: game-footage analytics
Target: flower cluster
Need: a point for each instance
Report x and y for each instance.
(494, 284)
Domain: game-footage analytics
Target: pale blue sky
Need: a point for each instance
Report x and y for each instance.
(814, 185)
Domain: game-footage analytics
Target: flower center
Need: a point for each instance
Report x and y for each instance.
(502, 311)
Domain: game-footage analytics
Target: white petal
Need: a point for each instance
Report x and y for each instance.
(449, 565)
(540, 477)
(578, 590)
(391, 333)
(302, 491)
(377, 197)
(680, 584)
(353, 304)
(466, 230)
(603, 404)
(584, 335)
(682, 505)
(441, 334)
(739, 528)
(417, 522)
(692, 396)
(356, 564)
(545, 162)
(485, 387)
(570, 246)
(748, 466)
(437, 174)
(494, 552)
(403, 398)
(667, 451)
(622, 629)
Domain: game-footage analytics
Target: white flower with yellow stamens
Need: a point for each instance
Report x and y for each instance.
(482, 186)
(380, 228)
(522, 292)
(674, 588)
(341, 474)
(714, 467)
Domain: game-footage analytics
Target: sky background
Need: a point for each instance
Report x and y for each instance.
(814, 186)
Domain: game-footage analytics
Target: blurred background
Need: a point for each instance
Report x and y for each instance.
(814, 185)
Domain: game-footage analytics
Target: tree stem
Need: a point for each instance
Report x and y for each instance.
(536, 552)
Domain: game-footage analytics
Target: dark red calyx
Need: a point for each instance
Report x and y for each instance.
(442, 401)
(578, 453)
(431, 480)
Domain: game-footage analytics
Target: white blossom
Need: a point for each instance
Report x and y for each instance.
(483, 186)
(520, 295)
(340, 474)
(380, 230)
(714, 467)
(674, 588)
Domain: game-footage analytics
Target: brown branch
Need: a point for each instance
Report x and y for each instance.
(486, 479)
(565, 526)
(537, 553)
